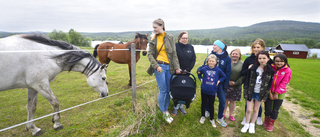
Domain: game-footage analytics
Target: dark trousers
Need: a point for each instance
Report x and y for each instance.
(272, 108)
(207, 99)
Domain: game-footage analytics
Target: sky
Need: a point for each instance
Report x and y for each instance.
(138, 15)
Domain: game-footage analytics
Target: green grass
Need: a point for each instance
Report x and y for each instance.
(114, 116)
(305, 83)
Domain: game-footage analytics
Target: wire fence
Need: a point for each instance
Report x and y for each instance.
(23, 123)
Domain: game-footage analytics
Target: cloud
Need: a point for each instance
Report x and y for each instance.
(137, 15)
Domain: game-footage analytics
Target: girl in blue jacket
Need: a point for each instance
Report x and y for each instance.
(210, 76)
(220, 50)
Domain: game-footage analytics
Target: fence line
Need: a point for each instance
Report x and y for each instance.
(70, 108)
(62, 50)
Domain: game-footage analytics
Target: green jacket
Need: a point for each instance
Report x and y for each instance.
(171, 53)
(236, 74)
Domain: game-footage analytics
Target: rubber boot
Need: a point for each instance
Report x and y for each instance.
(266, 121)
(271, 125)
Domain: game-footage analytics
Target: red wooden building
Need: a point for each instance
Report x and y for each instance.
(294, 50)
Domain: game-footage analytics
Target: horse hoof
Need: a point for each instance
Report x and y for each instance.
(58, 128)
(129, 85)
(40, 132)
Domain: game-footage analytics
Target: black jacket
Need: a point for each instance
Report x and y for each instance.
(186, 56)
(250, 81)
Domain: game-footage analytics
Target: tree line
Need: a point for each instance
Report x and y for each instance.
(72, 37)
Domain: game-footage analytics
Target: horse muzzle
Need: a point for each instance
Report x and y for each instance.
(144, 53)
(103, 95)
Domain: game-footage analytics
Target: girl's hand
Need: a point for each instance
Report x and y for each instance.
(218, 82)
(159, 69)
(263, 100)
(178, 71)
(275, 96)
(231, 83)
(201, 81)
(271, 96)
(198, 72)
(250, 66)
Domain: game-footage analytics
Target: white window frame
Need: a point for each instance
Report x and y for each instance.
(295, 53)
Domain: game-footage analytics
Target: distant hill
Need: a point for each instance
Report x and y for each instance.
(280, 30)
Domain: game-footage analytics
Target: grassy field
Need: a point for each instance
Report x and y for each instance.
(113, 116)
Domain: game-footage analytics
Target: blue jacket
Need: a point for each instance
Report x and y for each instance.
(224, 65)
(210, 79)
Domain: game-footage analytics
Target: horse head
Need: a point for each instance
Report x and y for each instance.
(142, 42)
(97, 81)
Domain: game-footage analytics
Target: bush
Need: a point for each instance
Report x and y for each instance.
(314, 55)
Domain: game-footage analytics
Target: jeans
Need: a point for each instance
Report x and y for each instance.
(163, 81)
(272, 108)
(257, 98)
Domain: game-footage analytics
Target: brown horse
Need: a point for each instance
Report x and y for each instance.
(119, 53)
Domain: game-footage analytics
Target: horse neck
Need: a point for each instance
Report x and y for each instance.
(84, 66)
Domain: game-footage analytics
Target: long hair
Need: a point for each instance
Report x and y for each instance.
(260, 42)
(159, 22)
(283, 58)
(258, 64)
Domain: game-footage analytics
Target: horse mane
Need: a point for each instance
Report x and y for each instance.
(43, 40)
(72, 57)
(67, 58)
(138, 35)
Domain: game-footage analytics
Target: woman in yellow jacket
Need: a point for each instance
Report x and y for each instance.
(164, 62)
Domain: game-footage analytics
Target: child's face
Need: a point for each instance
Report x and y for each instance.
(263, 59)
(212, 63)
(278, 62)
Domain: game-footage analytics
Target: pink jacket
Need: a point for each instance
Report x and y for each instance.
(280, 79)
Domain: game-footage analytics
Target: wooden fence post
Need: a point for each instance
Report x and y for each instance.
(133, 75)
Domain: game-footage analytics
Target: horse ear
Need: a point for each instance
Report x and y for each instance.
(104, 66)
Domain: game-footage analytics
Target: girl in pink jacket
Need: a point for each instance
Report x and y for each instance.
(278, 89)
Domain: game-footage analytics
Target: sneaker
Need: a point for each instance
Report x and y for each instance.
(207, 114)
(167, 117)
(213, 123)
(232, 118)
(243, 121)
(202, 119)
(174, 112)
(251, 128)
(182, 110)
(222, 123)
(259, 121)
(245, 128)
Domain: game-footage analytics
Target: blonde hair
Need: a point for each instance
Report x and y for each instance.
(236, 49)
(159, 22)
(212, 56)
(260, 42)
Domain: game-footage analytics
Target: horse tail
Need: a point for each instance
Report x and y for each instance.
(95, 53)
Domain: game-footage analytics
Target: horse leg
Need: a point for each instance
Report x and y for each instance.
(129, 66)
(31, 107)
(44, 89)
